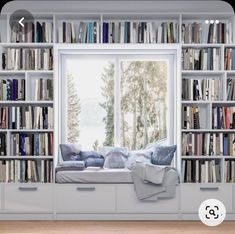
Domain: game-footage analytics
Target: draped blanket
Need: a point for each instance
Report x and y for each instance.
(153, 181)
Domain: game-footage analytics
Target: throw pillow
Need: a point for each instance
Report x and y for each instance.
(163, 155)
(69, 152)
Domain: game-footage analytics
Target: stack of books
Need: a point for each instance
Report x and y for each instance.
(27, 59)
(30, 33)
(140, 32)
(87, 32)
(201, 59)
(191, 117)
(231, 89)
(3, 146)
(26, 171)
(201, 171)
(32, 144)
(223, 117)
(220, 33)
(192, 33)
(198, 144)
(229, 62)
(202, 89)
(43, 89)
(12, 89)
(229, 171)
(26, 117)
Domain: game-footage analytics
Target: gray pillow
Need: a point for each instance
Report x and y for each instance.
(138, 155)
(163, 155)
(69, 152)
(116, 158)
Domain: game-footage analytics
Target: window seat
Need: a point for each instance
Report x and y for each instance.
(92, 176)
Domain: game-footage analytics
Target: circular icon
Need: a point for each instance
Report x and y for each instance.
(21, 22)
(212, 212)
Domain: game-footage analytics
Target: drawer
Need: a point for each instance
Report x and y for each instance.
(127, 202)
(193, 195)
(33, 198)
(83, 198)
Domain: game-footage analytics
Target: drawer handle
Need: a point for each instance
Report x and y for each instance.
(28, 188)
(209, 188)
(85, 188)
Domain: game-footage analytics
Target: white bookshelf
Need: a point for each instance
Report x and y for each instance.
(221, 74)
(59, 17)
(29, 76)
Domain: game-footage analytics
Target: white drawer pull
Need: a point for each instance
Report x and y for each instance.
(86, 188)
(209, 188)
(28, 188)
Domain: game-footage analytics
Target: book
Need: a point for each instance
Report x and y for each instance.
(209, 144)
(201, 59)
(140, 32)
(3, 144)
(38, 32)
(32, 144)
(202, 89)
(12, 89)
(27, 59)
(229, 58)
(26, 171)
(79, 32)
(26, 117)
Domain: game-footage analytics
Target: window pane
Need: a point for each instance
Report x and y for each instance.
(90, 101)
(144, 101)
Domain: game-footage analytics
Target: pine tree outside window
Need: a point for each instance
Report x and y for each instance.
(114, 100)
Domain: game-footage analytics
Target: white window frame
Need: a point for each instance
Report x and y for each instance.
(168, 52)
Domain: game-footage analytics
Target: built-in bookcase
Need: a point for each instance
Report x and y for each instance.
(208, 107)
(26, 102)
(208, 85)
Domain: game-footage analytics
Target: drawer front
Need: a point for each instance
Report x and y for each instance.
(193, 195)
(28, 198)
(85, 198)
(127, 202)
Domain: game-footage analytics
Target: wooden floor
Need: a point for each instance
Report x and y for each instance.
(106, 227)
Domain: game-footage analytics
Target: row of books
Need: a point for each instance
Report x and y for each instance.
(140, 32)
(231, 89)
(223, 117)
(84, 32)
(3, 147)
(208, 144)
(201, 171)
(32, 32)
(26, 117)
(229, 171)
(43, 89)
(229, 62)
(192, 32)
(202, 89)
(27, 59)
(38, 144)
(190, 117)
(201, 59)
(26, 171)
(12, 89)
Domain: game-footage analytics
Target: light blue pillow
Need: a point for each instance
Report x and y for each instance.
(163, 155)
(69, 152)
(116, 158)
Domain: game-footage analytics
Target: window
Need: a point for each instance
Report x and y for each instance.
(117, 100)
